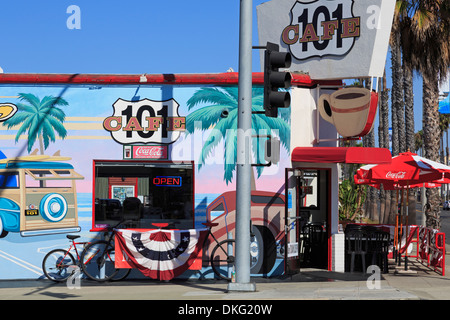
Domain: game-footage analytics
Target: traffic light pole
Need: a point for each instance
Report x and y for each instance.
(244, 140)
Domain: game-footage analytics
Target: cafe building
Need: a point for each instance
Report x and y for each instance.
(160, 148)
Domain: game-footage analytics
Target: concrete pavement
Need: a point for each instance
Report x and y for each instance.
(421, 283)
(309, 284)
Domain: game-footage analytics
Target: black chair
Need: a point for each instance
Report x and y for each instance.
(314, 243)
(357, 244)
(380, 253)
(353, 226)
(132, 209)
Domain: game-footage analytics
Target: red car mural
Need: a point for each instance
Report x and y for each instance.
(267, 217)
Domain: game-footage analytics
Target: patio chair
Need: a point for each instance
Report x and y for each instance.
(357, 245)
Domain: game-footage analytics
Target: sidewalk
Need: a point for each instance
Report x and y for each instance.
(309, 284)
(421, 283)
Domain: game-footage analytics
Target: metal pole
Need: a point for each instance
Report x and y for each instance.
(243, 165)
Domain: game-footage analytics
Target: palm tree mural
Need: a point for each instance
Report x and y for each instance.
(221, 114)
(40, 119)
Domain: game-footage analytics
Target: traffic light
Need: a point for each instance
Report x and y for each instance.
(274, 79)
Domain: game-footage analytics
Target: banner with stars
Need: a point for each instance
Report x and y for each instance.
(158, 254)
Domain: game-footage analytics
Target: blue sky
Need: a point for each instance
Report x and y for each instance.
(129, 37)
(133, 36)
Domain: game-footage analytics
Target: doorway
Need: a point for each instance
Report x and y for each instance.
(308, 217)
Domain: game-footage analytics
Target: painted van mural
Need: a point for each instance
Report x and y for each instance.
(74, 155)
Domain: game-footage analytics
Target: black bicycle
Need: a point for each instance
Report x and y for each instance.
(222, 258)
(98, 259)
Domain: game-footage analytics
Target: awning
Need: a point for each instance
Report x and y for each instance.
(341, 155)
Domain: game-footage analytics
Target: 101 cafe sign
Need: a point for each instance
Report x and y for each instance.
(145, 121)
(329, 39)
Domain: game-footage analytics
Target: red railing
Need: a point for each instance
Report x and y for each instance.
(432, 249)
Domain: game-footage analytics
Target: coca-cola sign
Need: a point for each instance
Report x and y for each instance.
(149, 152)
(396, 175)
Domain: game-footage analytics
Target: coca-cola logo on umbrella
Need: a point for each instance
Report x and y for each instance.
(145, 121)
(396, 175)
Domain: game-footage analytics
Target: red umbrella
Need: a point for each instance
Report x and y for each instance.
(391, 185)
(406, 168)
(405, 171)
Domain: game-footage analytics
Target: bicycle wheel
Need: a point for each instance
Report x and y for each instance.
(223, 259)
(58, 265)
(97, 261)
(121, 274)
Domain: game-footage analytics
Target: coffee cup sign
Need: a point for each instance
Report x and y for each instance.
(351, 110)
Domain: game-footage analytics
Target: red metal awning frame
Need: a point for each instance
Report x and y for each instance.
(358, 155)
(227, 78)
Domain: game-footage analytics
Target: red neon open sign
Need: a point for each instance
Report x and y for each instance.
(167, 181)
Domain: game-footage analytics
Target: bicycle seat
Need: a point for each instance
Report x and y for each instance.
(72, 237)
(210, 224)
(160, 224)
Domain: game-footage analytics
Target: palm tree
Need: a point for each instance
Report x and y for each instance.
(40, 119)
(431, 56)
(221, 115)
(397, 83)
(418, 142)
(406, 45)
(383, 140)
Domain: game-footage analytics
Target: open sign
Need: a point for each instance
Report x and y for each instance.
(167, 181)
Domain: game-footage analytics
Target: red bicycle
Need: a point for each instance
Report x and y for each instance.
(59, 264)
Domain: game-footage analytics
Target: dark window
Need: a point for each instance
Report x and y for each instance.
(267, 199)
(163, 192)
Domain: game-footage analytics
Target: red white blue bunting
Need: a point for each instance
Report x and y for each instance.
(160, 254)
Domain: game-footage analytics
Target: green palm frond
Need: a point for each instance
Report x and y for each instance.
(31, 99)
(18, 118)
(50, 101)
(25, 126)
(54, 112)
(211, 95)
(207, 117)
(39, 119)
(219, 132)
(57, 126)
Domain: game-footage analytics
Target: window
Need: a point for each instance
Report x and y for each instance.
(309, 189)
(50, 178)
(267, 199)
(9, 180)
(148, 192)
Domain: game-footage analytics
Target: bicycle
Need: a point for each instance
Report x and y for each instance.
(98, 259)
(222, 255)
(100, 255)
(222, 258)
(58, 264)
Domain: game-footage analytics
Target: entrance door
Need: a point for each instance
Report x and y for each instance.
(307, 217)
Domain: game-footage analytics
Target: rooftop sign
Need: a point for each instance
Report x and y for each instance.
(330, 39)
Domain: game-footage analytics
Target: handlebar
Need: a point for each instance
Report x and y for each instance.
(118, 224)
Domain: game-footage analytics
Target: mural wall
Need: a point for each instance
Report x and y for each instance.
(51, 135)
